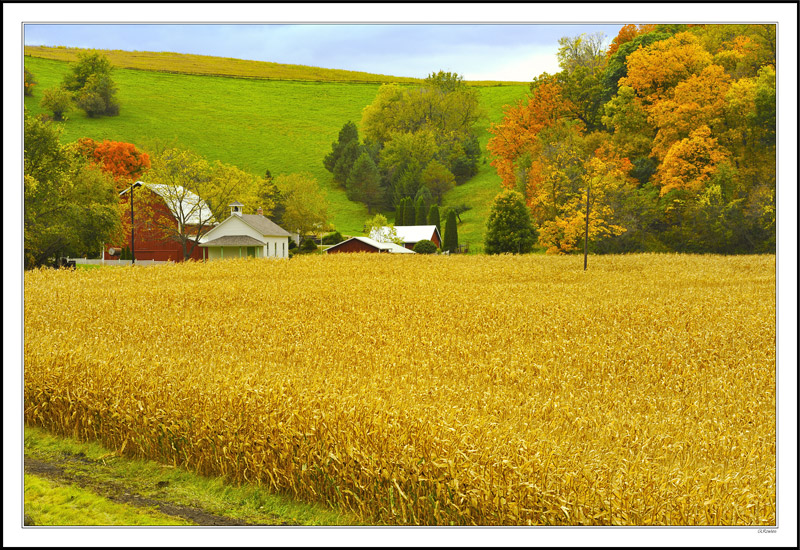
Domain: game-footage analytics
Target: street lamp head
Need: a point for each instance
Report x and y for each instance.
(133, 186)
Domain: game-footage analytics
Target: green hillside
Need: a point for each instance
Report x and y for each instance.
(282, 126)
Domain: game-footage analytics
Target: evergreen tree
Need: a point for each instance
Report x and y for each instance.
(433, 218)
(450, 232)
(410, 212)
(421, 217)
(344, 153)
(509, 228)
(364, 182)
(400, 213)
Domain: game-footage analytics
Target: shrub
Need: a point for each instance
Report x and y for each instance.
(332, 238)
(29, 83)
(308, 246)
(425, 247)
(57, 101)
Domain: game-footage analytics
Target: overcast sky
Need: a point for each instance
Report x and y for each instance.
(477, 52)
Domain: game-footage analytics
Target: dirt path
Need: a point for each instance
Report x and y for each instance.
(62, 471)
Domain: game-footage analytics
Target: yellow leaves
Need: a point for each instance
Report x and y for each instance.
(654, 70)
(690, 162)
(538, 396)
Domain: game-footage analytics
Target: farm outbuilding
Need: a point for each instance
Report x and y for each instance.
(365, 244)
(411, 234)
(157, 206)
(243, 235)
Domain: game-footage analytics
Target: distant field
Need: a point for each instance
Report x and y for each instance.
(277, 125)
(430, 390)
(226, 66)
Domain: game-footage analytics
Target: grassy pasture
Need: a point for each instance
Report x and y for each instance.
(430, 390)
(207, 65)
(258, 125)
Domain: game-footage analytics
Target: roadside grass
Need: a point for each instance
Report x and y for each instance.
(248, 503)
(53, 504)
(259, 125)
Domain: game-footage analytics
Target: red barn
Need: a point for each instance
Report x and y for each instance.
(159, 210)
(365, 244)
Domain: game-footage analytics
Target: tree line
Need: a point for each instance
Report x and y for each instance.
(664, 141)
(418, 143)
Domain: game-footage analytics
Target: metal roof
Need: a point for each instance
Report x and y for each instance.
(389, 247)
(234, 240)
(408, 233)
(187, 207)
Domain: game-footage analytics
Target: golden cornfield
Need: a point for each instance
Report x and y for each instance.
(430, 390)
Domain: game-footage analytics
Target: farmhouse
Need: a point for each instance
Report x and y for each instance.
(155, 207)
(245, 235)
(411, 234)
(365, 244)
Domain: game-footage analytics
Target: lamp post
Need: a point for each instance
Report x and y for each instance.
(131, 188)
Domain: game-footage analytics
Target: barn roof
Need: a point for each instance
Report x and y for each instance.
(234, 240)
(388, 247)
(408, 233)
(184, 205)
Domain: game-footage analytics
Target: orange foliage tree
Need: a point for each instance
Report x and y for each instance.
(626, 34)
(125, 164)
(514, 142)
(122, 160)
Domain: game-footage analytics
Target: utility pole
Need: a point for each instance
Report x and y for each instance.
(586, 237)
(133, 250)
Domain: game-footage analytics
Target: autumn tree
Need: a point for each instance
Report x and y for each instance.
(123, 161)
(655, 71)
(683, 157)
(514, 142)
(626, 34)
(689, 163)
(509, 228)
(617, 64)
(70, 205)
(305, 203)
(196, 192)
(582, 61)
